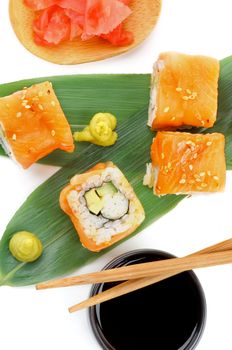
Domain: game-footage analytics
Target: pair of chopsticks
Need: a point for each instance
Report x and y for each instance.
(141, 275)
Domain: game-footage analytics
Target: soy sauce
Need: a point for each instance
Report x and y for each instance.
(168, 315)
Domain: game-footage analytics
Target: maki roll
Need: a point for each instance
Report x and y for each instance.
(186, 163)
(184, 92)
(32, 124)
(102, 206)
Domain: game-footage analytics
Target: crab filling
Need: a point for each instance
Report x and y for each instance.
(151, 177)
(158, 67)
(107, 201)
(3, 142)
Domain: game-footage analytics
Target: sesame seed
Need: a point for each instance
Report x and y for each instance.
(202, 174)
(27, 106)
(188, 91)
(166, 169)
(195, 156)
(25, 101)
(209, 173)
(204, 185)
(19, 114)
(169, 165)
(173, 118)
(158, 187)
(25, 88)
(40, 94)
(53, 103)
(14, 137)
(182, 181)
(192, 97)
(40, 107)
(162, 155)
(198, 180)
(209, 143)
(53, 132)
(178, 89)
(216, 178)
(166, 109)
(190, 167)
(185, 98)
(202, 122)
(191, 182)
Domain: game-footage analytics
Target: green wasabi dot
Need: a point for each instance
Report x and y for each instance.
(25, 246)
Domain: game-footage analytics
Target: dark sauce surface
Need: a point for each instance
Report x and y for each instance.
(168, 315)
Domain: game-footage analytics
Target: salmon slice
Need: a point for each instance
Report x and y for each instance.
(184, 91)
(33, 124)
(186, 163)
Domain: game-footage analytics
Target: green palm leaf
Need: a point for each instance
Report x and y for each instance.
(81, 96)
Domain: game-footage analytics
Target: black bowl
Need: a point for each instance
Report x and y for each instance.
(168, 315)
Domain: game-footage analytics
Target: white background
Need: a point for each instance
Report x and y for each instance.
(31, 319)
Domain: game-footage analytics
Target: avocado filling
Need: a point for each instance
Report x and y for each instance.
(94, 202)
(107, 201)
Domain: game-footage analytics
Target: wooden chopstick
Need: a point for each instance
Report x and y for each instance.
(71, 281)
(132, 285)
(119, 290)
(153, 268)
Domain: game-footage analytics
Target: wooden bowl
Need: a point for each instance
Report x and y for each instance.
(140, 22)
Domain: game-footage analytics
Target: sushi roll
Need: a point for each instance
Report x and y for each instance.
(32, 124)
(186, 163)
(184, 92)
(102, 206)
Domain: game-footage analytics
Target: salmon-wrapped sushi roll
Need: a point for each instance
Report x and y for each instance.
(102, 206)
(186, 163)
(32, 124)
(184, 92)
